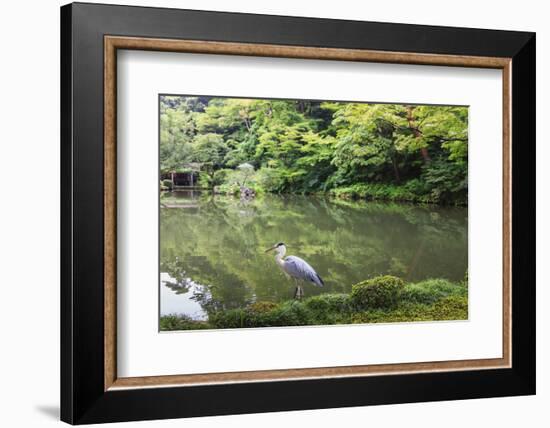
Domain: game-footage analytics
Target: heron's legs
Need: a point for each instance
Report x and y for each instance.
(298, 291)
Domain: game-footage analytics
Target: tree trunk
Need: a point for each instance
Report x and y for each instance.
(212, 184)
(417, 134)
(425, 155)
(395, 169)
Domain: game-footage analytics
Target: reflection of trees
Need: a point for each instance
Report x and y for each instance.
(180, 281)
(222, 244)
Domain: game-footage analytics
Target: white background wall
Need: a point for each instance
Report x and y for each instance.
(29, 217)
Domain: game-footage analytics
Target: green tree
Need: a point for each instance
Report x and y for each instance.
(366, 148)
(177, 130)
(209, 150)
(310, 146)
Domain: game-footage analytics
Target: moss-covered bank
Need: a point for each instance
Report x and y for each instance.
(381, 299)
(412, 191)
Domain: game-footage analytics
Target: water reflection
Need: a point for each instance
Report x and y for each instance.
(175, 300)
(212, 247)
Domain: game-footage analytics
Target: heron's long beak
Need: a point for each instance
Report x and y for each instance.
(270, 249)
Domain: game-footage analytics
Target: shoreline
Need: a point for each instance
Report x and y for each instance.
(335, 194)
(382, 299)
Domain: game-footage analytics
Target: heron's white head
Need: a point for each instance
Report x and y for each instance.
(279, 248)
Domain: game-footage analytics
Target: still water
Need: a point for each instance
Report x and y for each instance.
(212, 247)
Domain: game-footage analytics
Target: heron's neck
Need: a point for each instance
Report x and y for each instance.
(279, 256)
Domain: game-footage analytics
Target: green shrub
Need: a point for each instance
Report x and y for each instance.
(272, 179)
(181, 322)
(431, 290)
(316, 310)
(380, 292)
(448, 181)
(285, 314)
(211, 179)
(416, 187)
(436, 186)
(385, 192)
(329, 308)
(228, 189)
(232, 318)
(328, 302)
(292, 313)
(166, 184)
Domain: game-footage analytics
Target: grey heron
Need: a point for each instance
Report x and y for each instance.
(296, 268)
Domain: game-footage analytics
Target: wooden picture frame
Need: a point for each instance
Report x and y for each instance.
(91, 390)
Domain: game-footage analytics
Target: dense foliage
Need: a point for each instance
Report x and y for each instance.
(430, 300)
(379, 151)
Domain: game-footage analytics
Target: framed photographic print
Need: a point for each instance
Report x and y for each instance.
(266, 213)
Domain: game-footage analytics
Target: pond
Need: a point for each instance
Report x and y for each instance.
(212, 247)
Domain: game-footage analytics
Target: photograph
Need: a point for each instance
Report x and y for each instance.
(291, 212)
(343, 205)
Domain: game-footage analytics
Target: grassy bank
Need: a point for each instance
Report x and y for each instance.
(381, 299)
(375, 191)
(408, 192)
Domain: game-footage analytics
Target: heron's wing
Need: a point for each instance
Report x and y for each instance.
(299, 268)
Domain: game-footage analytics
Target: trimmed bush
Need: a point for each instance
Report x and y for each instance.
(232, 318)
(292, 313)
(380, 292)
(329, 308)
(431, 290)
(328, 302)
(263, 315)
